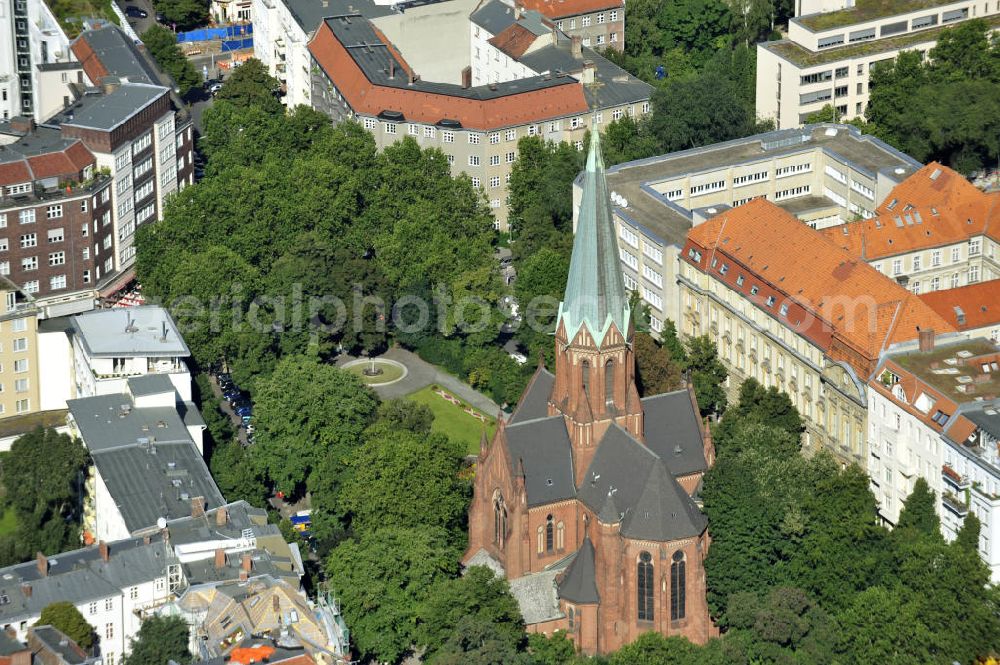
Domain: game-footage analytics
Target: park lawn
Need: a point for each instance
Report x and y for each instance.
(8, 522)
(452, 420)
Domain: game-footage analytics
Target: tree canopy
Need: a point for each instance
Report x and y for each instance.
(945, 107)
(160, 639)
(63, 616)
(162, 45)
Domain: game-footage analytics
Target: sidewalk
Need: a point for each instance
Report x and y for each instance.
(421, 374)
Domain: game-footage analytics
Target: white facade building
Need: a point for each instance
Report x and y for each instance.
(111, 346)
(934, 413)
(30, 41)
(832, 47)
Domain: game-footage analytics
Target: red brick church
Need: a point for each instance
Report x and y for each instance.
(583, 500)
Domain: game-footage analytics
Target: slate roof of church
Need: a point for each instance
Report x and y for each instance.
(544, 447)
(672, 431)
(578, 586)
(534, 403)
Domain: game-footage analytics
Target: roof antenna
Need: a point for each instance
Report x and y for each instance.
(163, 338)
(129, 324)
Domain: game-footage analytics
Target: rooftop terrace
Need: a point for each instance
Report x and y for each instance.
(865, 10)
(805, 58)
(957, 370)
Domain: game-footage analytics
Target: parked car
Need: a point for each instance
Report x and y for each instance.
(244, 411)
(160, 18)
(215, 88)
(135, 12)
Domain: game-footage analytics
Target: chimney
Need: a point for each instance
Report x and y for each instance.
(109, 84)
(926, 340)
(23, 124)
(26, 590)
(220, 558)
(555, 36)
(221, 517)
(587, 74)
(244, 576)
(197, 506)
(467, 77)
(105, 552)
(43, 564)
(576, 47)
(518, 11)
(492, 85)
(392, 69)
(246, 563)
(146, 540)
(409, 77)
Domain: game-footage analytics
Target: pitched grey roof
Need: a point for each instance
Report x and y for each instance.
(120, 56)
(595, 292)
(8, 645)
(578, 585)
(543, 445)
(150, 384)
(617, 85)
(59, 644)
(81, 576)
(160, 480)
(664, 510)
(132, 331)
(310, 13)
(494, 17)
(672, 432)
(535, 401)
(651, 503)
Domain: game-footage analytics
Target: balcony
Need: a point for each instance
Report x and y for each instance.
(65, 189)
(959, 482)
(954, 504)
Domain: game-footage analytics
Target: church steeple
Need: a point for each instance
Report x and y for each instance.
(595, 369)
(595, 293)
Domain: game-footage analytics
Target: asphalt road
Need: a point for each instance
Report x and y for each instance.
(140, 25)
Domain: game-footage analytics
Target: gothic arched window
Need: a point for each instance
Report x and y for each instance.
(678, 584)
(499, 519)
(609, 381)
(550, 534)
(645, 586)
(560, 536)
(585, 372)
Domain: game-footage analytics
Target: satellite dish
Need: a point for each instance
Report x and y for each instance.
(161, 522)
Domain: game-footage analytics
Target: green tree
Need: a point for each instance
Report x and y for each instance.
(162, 45)
(183, 14)
(307, 411)
(554, 649)
(407, 480)
(707, 374)
(881, 627)
(968, 535)
(160, 639)
(918, 511)
(656, 372)
(51, 465)
(251, 85)
(63, 616)
(238, 477)
(541, 280)
(541, 198)
(407, 415)
(652, 648)
(767, 405)
(382, 579)
(480, 595)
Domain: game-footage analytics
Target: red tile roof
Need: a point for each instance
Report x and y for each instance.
(841, 303)
(92, 65)
(14, 173)
(933, 207)
(514, 40)
(980, 303)
(563, 8)
(368, 98)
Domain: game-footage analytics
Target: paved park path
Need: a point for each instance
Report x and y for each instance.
(421, 374)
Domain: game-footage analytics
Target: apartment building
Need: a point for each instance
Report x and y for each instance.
(115, 585)
(110, 346)
(831, 48)
(822, 174)
(934, 231)
(19, 384)
(35, 61)
(933, 414)
(792, 310)
(57, 205)
(598, 23)
(536, 81)
(973, 309)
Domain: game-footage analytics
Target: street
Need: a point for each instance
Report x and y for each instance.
(140, 25)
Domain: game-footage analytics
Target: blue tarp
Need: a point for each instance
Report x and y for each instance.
(222, 32)
(237, 44)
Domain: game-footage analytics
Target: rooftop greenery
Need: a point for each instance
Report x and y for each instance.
(866, 10)
(806, 58)
(70, 13)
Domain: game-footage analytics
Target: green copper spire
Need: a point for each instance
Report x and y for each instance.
(595, 294)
